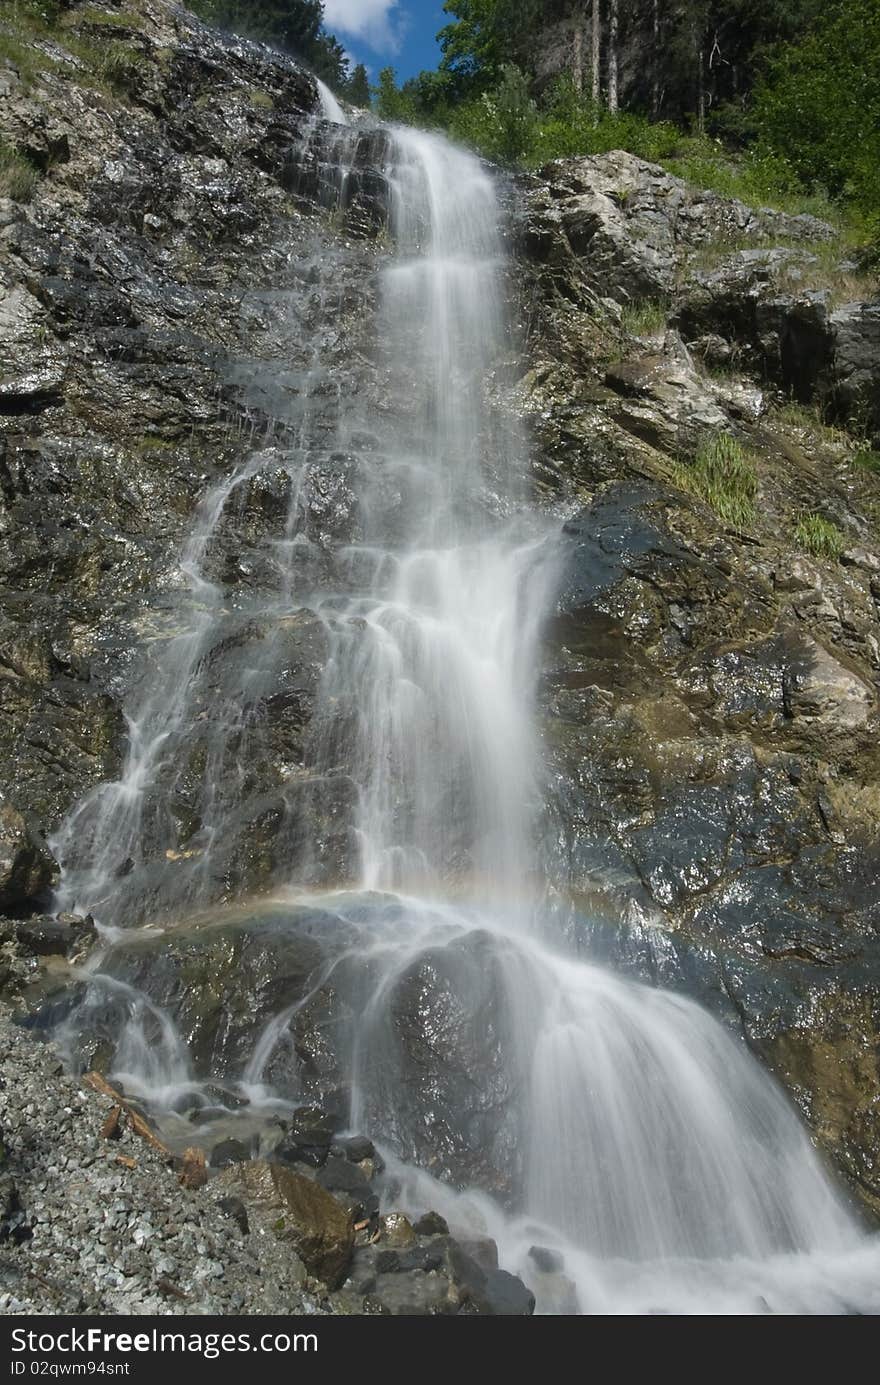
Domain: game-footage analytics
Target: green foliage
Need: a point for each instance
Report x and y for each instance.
(357, 89)
(503, 123)
(819, 536)
(645, 319)
(392, 103)
(723, 474)
(819, 106)
(867, 459)
(18, 177)
(487, 35)
(111, 19)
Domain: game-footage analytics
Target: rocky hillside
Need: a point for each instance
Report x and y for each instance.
(711, 689)
(702, 391)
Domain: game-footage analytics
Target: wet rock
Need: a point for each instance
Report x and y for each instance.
(491, 1291)
(431, 1224)
(43, 936)
(483, 1251)
(356, 1148)
(350, 1184)
(820, 689)
(416, 1294)
(307, 1139)
(299, 1212)
(440, 1046)
(229, 1152)
(27, 868)
(397, 1230)
(547, 1261)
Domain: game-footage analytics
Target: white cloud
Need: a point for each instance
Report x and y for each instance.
(376, 22)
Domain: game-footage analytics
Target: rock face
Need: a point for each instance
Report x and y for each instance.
(710, 696)
(632, 232)
(150, 300)
(27, 869)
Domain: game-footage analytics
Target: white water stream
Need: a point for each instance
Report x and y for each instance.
(652, 1151)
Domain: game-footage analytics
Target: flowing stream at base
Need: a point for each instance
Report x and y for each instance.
(636, 1137)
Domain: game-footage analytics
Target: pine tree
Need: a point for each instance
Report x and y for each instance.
(358, 89)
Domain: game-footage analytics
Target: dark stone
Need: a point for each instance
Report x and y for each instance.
(27, 869)
(431, 1224)
(547, 1261)
(44, 936)
(229, 1152)
(339, 1176)
(307, 1139)
(504, 1295)
(235, 1208)
(482, 1250)
(357, 1148)
(14, 1225)
(491, 1291)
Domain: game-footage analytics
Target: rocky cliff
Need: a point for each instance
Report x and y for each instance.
(709, 697)
(711, 680)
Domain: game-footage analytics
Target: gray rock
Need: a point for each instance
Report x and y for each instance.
(299, 1212)
(27, 868)
(852, 387)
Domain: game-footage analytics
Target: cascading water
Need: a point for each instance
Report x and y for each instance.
(619, 1126)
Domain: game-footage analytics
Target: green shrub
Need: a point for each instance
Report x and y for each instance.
(119, 62)
(502, 123)
(868, 460)
(819, 105)
(645, 319)
(18, 177)
(724, 475)
(819, 536)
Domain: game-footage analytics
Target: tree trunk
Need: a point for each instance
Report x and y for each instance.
(701, 94)
(577, 58)
(613, 17)
(596, 54)
(655, 60)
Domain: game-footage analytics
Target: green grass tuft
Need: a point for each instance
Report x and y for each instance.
(724, 475)
(868, 459)
(819, 536)
(18, 177)
(645, 319)
(111, 19)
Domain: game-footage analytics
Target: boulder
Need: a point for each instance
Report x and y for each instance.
(852, 385)
(751, 303)
(27, 868)
(822, 691)
(632, 224)
(42, 936)
(296, 1210)
(664, 401)
(307, 1138)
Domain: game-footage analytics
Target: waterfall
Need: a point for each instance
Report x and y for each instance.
(330, 107)
(620, 1128)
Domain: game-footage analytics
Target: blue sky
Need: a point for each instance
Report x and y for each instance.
(388, 33)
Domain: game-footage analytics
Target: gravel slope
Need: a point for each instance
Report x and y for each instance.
(105, 1237)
